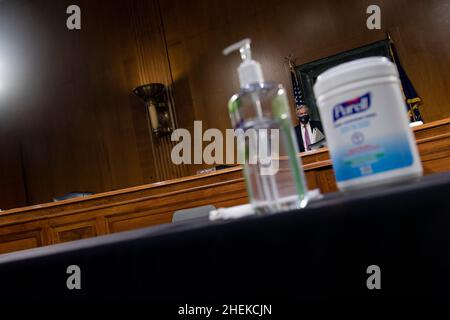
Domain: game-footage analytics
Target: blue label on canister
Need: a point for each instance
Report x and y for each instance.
(365, 148)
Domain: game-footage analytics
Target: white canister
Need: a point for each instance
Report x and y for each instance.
(366, 124)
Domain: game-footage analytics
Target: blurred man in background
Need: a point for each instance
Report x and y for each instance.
(308, 132)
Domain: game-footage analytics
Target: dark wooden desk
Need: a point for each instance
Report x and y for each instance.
(319, 254)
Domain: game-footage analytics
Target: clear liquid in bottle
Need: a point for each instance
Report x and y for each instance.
(272, 167)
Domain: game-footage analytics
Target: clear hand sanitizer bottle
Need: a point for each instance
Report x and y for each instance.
(266, 142)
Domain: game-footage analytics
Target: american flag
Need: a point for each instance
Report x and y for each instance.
(412, 99)
(298, 93)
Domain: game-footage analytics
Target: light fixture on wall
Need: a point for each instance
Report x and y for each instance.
(156, 102)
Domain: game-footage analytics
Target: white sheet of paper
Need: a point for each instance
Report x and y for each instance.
(317, 135)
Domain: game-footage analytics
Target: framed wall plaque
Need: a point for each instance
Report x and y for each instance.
(307, 73)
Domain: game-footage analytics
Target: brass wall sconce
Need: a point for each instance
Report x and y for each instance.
(159, 115)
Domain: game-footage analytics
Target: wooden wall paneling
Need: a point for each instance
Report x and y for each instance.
(424, 52)
(435, 153)
(13, 192)
(149, 211)
(149, 38)
(197, 31)
(311, 180)
(320, 172)
(430, 130)
(101, 225)
(78, 222)
(105, 200)
(126, 223)
(79, 127)
(327, 180)
(65, 229)
(78, 137)
(22, 236)
(20, 241)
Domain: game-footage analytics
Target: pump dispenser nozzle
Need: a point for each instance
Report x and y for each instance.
(249, 70)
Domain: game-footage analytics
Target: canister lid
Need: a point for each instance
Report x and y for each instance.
(354, 71)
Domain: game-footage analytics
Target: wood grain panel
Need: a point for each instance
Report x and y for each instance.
(149, 37)
(13, 191)
(73, 231)
(21, 237)
(140, 221)
(76, 234)
(197, 31)
(78, 124)
(22, 243)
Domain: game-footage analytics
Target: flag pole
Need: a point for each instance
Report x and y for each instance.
(391, 52)
(290, 60)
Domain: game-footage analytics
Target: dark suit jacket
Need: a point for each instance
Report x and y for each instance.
(298, 133)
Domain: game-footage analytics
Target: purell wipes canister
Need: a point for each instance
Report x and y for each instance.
(366, 124)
